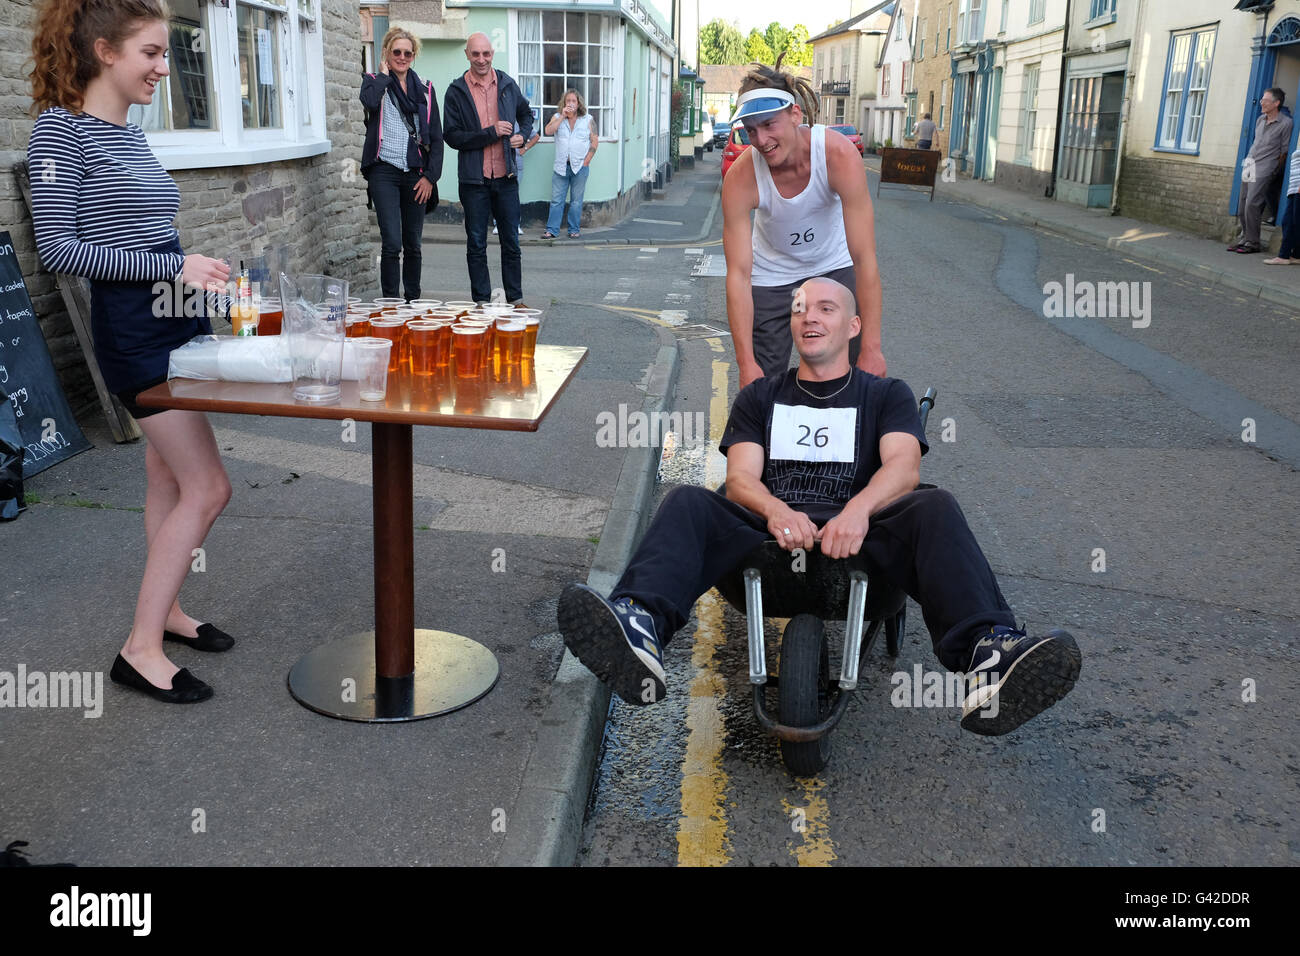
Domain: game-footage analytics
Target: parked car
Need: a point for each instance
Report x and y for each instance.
(721, 133)
(854, 136)
(737, 143)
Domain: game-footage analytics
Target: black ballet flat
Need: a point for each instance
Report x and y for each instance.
(210, 638)
(185, 689)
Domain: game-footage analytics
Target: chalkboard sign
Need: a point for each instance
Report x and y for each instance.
(50, 434)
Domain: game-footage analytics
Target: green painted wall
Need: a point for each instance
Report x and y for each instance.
(441, 61)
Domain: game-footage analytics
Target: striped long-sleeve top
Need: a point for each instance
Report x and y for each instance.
(1293, 184)
(100, 199)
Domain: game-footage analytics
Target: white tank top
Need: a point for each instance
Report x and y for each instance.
(571, 146)
(796, 239)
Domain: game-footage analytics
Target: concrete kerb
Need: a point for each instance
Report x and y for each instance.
(545, 826)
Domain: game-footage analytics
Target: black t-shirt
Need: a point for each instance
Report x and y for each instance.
(820, 452)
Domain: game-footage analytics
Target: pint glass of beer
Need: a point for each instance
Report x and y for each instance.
(389, 328)
(468, 340)
(424, 345)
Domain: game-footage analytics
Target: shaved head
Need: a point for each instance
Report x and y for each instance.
(479, 52)
(826, 286)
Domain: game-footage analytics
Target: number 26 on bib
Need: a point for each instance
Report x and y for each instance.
(801, 433)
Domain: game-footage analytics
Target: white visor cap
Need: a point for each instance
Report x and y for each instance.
(761, 102)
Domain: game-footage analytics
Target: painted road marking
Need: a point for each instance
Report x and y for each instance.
(702, 827)
(659, 222)
(813, 846)
(648, 249)
(617, 296)
(694, 251)
(674, 316)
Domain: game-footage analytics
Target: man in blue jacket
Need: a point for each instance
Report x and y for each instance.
(479, 112)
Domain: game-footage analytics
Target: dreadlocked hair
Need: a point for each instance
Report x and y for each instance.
(762, 77)
(63, 45)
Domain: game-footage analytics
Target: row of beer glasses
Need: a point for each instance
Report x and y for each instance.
(491, 340)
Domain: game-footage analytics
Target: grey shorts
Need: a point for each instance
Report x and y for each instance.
(772, 342)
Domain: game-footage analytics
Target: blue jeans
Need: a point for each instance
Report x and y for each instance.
(401, 225)
(492, 199)
(1291, 229)
(573, 183)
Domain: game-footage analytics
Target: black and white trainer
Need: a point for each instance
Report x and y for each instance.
(1025, 674)
(616, 640)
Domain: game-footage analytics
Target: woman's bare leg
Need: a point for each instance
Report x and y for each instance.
(161, 494)
(186, 473)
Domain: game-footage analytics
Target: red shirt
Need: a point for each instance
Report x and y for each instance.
(484, 93)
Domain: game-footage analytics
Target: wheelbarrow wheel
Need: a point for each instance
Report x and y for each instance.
(805, 692)
(894, 629)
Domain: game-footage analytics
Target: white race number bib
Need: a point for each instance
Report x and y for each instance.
(801, 433)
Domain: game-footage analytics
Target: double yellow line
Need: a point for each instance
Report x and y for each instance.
(702, 836)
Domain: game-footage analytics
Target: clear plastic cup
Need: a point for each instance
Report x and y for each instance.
(372, 367)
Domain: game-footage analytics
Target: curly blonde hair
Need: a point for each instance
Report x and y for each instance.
(762, 77)
(63, 46)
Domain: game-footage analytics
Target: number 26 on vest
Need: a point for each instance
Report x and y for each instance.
(796, 239)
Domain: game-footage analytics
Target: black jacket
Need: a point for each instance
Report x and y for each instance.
(464, 134)
(374, 90)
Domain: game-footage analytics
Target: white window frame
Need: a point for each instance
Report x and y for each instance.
(229, 144)
(612, 109)
(1037, 11)
(1028, 113)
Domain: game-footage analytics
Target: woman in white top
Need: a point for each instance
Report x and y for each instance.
(576, 140)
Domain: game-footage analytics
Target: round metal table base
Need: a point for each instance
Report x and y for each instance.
(338, 679)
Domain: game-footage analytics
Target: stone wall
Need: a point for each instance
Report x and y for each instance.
(1186, 195)
(316, 206)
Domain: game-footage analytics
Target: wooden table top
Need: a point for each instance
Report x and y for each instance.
(441, 399)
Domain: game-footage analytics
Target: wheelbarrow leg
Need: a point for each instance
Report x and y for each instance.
(754, 623)
(853, 631)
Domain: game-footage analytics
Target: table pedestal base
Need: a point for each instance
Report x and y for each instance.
(338, 679)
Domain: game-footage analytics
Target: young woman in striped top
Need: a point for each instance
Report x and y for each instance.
(102, 207)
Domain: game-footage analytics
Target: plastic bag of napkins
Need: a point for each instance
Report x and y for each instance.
(243, 358)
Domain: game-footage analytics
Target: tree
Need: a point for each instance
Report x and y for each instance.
(777, 37)
(799, 51)
(721, 43)
(756, 48)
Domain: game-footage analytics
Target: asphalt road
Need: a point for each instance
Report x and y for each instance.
(1132, 478)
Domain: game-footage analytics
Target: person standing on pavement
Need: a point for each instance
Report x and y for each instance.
(479, 113)
(1262, 168)
(519, 167)
(103, 207)
(576, 141)
(924, 132)
(812, 216)
(401, 159)
(1289, 254)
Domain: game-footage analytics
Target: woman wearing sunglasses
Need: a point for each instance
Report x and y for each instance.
(401, 159)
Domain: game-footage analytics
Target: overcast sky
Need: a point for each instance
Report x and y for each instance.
(814, 14)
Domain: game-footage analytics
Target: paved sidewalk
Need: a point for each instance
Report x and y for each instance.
(1160, 245)
(683, 211)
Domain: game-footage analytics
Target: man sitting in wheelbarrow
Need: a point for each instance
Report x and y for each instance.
(830, 455)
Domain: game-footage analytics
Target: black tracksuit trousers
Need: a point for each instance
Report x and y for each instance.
(921, 543)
